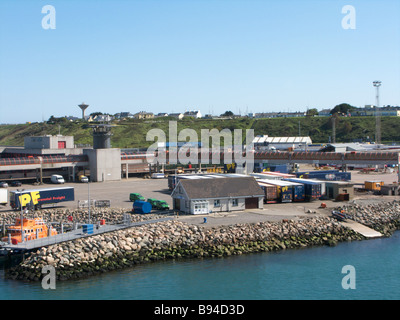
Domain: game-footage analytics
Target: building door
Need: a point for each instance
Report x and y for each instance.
(177, 204)
(62, 144)
(251, 203)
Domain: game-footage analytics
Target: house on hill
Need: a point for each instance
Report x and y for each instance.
(196, 114)
(143, 115)
(219, 194)
(178, 116)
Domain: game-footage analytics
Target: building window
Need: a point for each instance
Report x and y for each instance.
(235, 202)
(217, 203)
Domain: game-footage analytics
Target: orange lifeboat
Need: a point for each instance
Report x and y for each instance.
(33, 229)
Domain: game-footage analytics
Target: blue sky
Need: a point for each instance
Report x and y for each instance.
(208, 55)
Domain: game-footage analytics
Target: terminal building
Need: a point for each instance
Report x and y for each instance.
(43, 156)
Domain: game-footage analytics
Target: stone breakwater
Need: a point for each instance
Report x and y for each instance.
(174, 240)
(60, 215)
(380, 216)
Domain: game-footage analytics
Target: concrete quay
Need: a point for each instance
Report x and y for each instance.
(76, 234)
(361, 229)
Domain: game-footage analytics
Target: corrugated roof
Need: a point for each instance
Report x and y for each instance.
(271, 140)
(221, 188)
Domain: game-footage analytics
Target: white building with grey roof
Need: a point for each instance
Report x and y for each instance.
(203, 195)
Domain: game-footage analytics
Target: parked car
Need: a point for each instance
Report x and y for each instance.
(16, 184)
(136, 197)
(3, 184)
(158, 204)
(83, 179)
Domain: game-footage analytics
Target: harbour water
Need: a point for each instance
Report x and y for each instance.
(311, 273)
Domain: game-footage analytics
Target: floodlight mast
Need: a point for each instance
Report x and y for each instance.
(378, 139)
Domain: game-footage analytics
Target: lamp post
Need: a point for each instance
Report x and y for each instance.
(377, 84)
(21, 215)
(88, 188)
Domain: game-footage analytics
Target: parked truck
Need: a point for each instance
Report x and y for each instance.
(373, 185)
(38, 197)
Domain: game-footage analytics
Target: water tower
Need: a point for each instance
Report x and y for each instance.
(83, 106)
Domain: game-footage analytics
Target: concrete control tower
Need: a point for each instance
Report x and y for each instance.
(101, 136)
(104, 161)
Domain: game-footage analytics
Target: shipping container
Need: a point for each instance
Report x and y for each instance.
(265, 176)
(323, 186)
(279, 174)
(330, 175)
(38, 197)
(312, 189)
(270, 192)
(284, 189)
(272, 175)
(283, 168)
(298, 190)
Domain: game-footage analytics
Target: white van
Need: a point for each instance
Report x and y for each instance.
(55, 178)
(158, 176)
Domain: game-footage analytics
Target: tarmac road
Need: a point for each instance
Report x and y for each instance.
(115, 191)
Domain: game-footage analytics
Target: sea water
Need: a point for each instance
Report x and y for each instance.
(310, 273)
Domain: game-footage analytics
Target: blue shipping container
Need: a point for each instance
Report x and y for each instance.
(329, 175)
(312, 189)
(282, 168)
(298, 192)
(141, 207)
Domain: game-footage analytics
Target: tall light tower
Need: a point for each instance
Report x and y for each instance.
(378, 141)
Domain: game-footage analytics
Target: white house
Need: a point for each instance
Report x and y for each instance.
(219, 194)
(196, 114)
(178, 116)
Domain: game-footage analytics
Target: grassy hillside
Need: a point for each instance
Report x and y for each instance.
(132, 133)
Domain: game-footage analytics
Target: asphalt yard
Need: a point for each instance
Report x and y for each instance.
(118, 193)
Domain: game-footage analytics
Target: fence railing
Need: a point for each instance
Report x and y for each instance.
(94, 203)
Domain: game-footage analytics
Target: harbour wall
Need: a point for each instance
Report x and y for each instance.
(177, 240)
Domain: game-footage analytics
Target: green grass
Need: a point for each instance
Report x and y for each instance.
(132, 133)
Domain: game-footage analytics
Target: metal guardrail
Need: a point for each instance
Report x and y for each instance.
(79, 233)
(94, 203)
(44, 159)
(103, 203)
